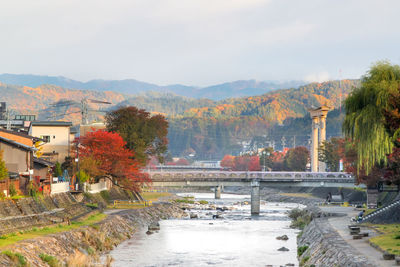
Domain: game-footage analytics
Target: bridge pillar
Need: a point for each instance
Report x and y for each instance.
(255, 197)
(218, 192)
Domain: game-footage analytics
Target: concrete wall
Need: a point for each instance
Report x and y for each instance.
(97, 187)
(59, 188)
(59, 141)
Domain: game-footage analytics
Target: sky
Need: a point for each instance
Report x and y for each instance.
(198, 42)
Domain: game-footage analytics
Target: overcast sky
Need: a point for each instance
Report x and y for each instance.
(197, 42)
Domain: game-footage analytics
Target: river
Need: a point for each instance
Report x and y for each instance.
(236, 239)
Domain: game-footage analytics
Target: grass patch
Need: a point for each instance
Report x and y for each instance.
(154, 196)
(187, 201)
(105, 194)
(50, 260)
(302, 195)
(389, 240)
(300, 218)
(203, 202)
(35, 232)
(304, 260)
(17, 258)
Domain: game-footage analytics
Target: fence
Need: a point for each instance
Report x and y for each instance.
(59, 188)
(126, 204)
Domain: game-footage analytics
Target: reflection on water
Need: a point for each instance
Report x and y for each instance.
(237, 239)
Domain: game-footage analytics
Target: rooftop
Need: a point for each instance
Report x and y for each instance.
(19, 145)
(51, 123)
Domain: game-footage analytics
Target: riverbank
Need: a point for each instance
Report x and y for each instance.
(83, 246)
(319, 243)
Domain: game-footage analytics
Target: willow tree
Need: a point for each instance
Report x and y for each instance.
(365, 121)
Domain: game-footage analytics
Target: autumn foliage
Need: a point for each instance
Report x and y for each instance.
(241, 163)
(104, 154)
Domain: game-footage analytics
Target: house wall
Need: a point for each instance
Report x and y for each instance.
(16, 159)
(59, 141)
(5, 185)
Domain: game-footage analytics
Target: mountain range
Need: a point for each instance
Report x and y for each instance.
(205, 127)
(135, 87)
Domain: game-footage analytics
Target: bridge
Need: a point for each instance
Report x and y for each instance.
(219, 179)
(231, 178)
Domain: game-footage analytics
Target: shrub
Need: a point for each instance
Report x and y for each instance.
(57, 170)
(12, 190)
(90, 250)
(300, 218)
(397, 237)
(301, 250)
(304, 260)
(50, 260)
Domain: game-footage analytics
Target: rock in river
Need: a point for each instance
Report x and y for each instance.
(283, 237)
(283, 249)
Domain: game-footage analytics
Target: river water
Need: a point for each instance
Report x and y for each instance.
(236, 239)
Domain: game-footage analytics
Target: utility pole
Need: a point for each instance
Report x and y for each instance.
(283, 140)
(8, 120)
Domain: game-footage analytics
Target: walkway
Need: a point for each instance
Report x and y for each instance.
(340, 224)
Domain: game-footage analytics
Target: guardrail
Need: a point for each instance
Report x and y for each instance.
(251, 175)
(126, 204)
(147, 190)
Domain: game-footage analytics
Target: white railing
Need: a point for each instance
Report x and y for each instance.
(97, 187)
(59, 188)
(252, 175)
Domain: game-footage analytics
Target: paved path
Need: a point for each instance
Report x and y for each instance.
(340, 224)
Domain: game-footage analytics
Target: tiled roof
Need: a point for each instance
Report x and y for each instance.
(11, 142)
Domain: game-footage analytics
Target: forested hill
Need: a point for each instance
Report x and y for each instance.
(29, 100)
(227, 127)
(205, 127)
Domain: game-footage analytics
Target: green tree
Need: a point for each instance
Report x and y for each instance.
(3, 169)
(331, 152)
(296, 159)
(143, 133)
(364, 122)
(57, 170)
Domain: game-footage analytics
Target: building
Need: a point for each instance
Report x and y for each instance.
(18, 158)
(84, 129)
(43, 175)
(57, 138)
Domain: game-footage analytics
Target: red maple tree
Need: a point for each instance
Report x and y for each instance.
(113, 159)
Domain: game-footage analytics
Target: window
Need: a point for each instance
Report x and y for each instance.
(46, 138)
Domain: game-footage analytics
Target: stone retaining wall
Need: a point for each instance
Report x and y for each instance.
(26, 213)
(81, 247)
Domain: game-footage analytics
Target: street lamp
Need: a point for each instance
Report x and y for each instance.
(265, 154)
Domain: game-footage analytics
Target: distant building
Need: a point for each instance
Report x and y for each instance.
(84, 129)
(207, 163)
(57, 138)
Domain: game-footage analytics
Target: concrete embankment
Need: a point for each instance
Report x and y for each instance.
(82, 247)
(320, 245)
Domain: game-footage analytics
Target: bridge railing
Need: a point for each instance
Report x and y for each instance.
(250, 175)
